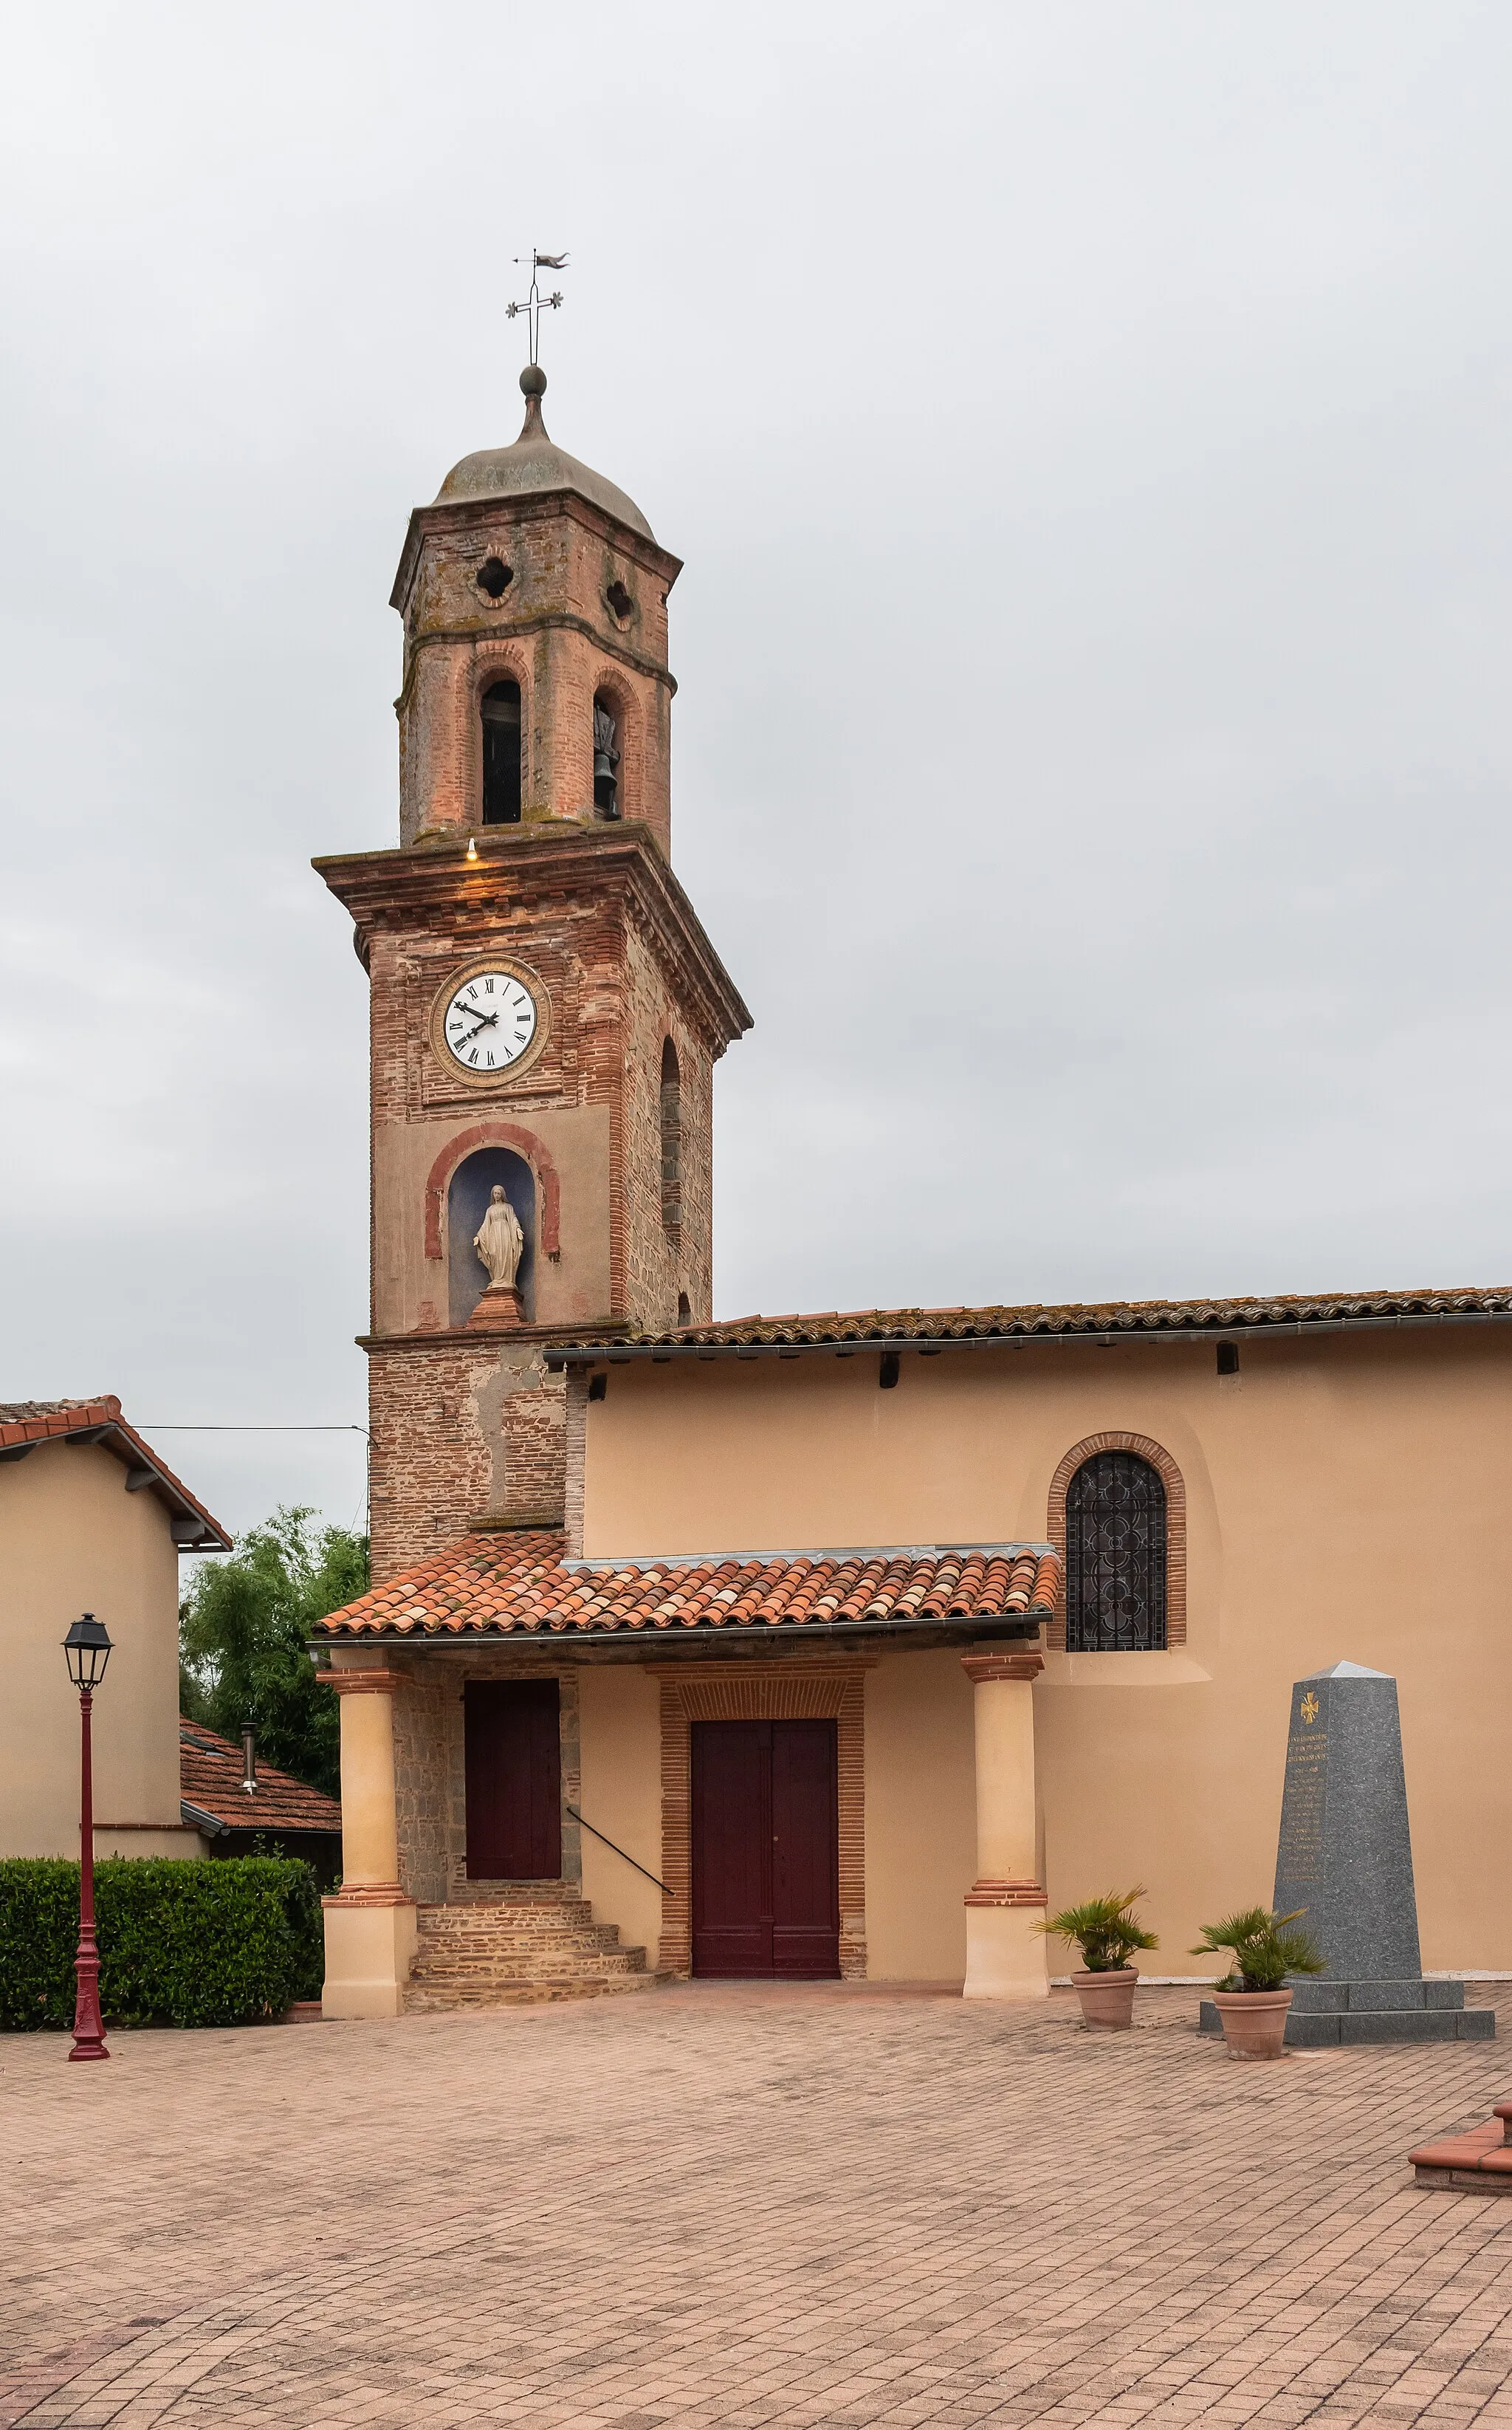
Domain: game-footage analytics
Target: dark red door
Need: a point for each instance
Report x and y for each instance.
(766, 1890)
(514, 1780)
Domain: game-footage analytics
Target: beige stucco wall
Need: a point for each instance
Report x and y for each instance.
(411, 1290)
(920, 1818)
(620, 1742)
(73, 1540)
(1348, 1497)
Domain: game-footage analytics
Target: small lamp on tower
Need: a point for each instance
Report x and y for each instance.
(86, 1650)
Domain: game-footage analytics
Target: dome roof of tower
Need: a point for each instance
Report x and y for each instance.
(535, 467)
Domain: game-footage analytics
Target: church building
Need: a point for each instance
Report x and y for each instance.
(824, 1646)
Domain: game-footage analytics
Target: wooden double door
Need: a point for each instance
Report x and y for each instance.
(514, 1780)
(766, 1849)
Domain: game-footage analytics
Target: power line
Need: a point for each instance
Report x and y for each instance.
(162, 1426)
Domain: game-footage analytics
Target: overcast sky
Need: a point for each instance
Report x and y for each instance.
(1086, 428)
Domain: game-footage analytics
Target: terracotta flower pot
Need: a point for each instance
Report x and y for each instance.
(1255, 2022)
(1107, 1999)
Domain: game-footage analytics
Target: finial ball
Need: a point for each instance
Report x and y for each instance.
(532, 380)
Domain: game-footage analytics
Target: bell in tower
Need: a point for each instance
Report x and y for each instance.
(605, 760)
(536, 974)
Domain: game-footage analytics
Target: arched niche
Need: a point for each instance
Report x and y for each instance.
(467, 1201)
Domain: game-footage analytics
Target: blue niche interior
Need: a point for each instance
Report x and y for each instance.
(467, 1203)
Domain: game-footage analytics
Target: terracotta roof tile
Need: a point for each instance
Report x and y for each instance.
(871, 1328)
(523, 1584)
(26, 1423)
(209, 1777)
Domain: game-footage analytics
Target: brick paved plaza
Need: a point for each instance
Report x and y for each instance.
(744, 2206)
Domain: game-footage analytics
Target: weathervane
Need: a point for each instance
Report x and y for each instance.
(534, 303)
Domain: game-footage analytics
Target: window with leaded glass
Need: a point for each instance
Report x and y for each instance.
(1115, 1556)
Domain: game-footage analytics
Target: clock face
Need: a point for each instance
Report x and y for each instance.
(490, 1023)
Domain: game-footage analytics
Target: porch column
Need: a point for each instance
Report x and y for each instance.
(1006, 1959)
(371, 1925)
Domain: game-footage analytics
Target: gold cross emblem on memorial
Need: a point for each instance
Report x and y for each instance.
(1308, 1706)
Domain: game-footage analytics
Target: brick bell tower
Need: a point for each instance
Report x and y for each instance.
(546, 1008)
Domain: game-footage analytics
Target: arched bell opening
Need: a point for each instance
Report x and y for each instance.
(500, 707)
(607, 753)
(468, 1197)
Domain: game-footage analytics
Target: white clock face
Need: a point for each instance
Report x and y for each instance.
(489, 1022)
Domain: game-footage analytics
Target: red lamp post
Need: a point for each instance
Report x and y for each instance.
(86, 1650)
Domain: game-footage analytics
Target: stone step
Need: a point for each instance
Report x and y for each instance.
(520, 1970)
(422, 2000)
(544, 1896)
(480, 1952)
(518, 1944)
(540, 1921)
(505, 1906)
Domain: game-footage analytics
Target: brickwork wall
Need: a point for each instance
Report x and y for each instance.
(475, 1432)
(555, 633)
(422, 1718)
(535, 1454)
(432, 1462)
(430, 1765)
(574, 1459)
(658, 1263)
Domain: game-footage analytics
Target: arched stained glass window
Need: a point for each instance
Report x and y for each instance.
(1115, 1556)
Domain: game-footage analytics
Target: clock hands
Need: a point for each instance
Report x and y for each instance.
(464, 1042)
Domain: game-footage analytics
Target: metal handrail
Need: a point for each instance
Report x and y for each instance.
(619, 1851)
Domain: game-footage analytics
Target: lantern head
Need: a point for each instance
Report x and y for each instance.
(86, 1650)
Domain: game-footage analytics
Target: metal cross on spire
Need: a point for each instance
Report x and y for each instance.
(534, 303)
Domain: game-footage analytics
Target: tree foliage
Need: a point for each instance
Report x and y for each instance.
(243, 1629)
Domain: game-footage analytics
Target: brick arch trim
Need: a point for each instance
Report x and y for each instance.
(496, 658)
(769, 1692)
(524, 1143)
(1174, 1483)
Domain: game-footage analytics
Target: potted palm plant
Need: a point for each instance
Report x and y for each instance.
(1108, 1933)
(1254, 1997)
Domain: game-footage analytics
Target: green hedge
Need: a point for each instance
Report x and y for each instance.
(191, 1942)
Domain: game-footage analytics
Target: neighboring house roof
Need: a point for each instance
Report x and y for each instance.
(523, 1584)
(24, 1425)
(210, 1785)
(1106, 1321)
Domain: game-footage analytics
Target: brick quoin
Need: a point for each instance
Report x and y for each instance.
(469, 1429)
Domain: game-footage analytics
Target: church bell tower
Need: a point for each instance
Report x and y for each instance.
(546, 1008)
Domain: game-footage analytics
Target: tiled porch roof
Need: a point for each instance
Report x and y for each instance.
(880, 1328)
(525, 1585)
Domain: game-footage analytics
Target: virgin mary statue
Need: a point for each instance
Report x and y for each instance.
(500, 1242)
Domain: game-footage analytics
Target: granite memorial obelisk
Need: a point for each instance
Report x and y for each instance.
(1345, 1850)
(1344, 1859)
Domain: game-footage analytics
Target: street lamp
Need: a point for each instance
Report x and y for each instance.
(86, 1650)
